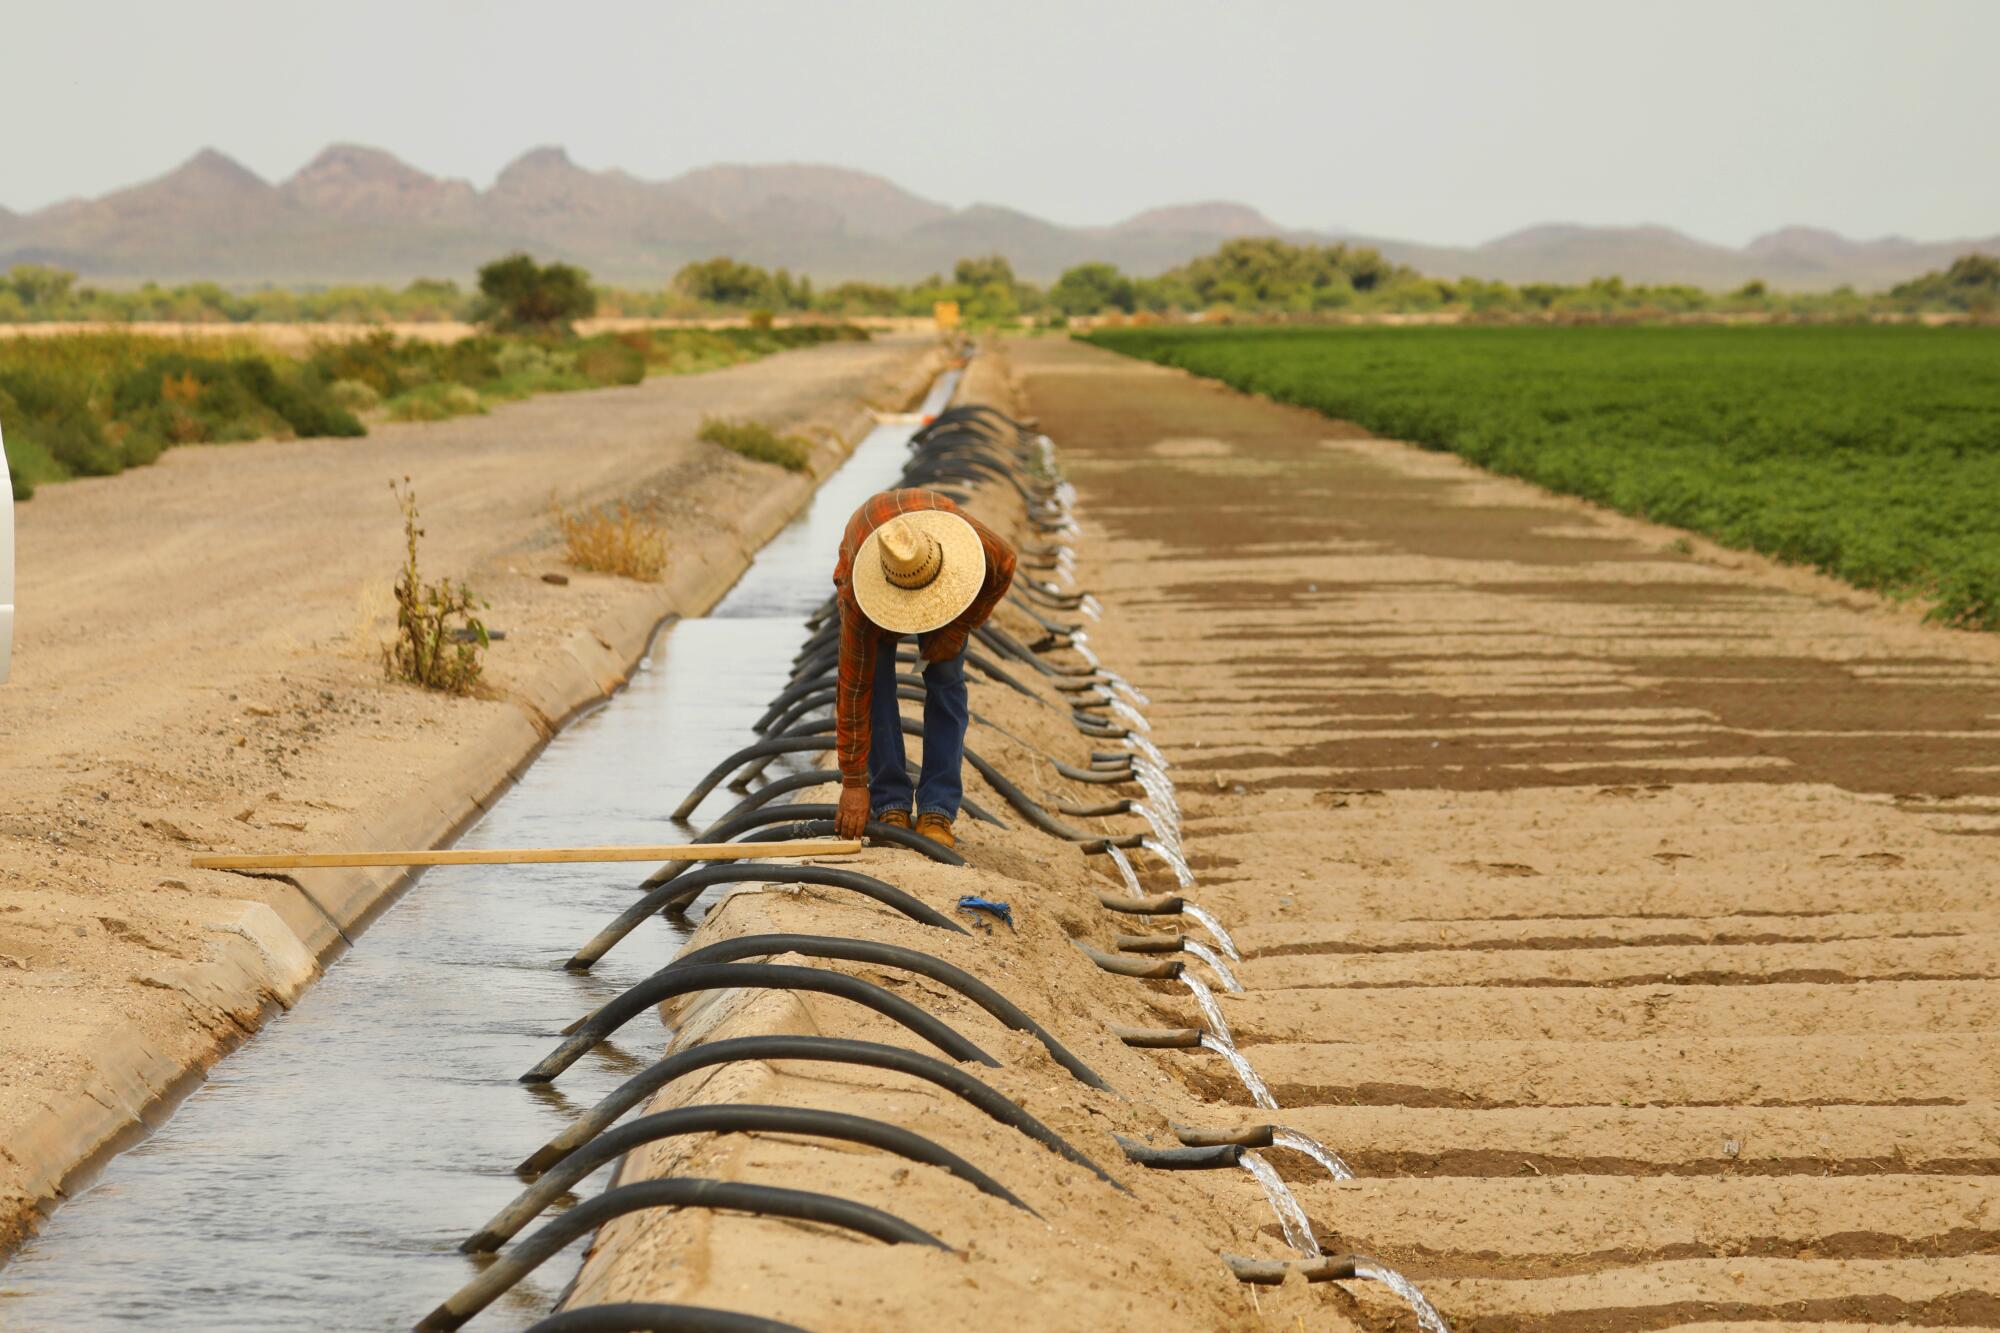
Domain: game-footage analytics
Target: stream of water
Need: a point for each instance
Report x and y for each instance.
(324, 1174)
(1298, 1141)
(1253, 1082)
(1291, 1216)
(1207, 921)
(1428, 1319)
(1215, 965)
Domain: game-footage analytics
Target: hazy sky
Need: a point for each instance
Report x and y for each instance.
(1448, 122)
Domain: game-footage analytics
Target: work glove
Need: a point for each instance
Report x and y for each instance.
(851, 820)
(944, 645)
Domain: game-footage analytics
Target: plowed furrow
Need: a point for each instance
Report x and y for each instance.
(1919, 958)
(1906, 1069)
(1625, 921)
(1441, 1013)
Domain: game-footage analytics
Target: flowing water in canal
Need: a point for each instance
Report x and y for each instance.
(324, 1174)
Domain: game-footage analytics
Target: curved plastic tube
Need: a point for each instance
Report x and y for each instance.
(1020, 603)
(881, 834)
(680, 1192)
(1164, 970)
(1271, 1272)
(1158, 1039)
(728, 830)
(729, 1119)
(831, 1050)
(791, 694)
(1103, 810)
(772, 790)
(1007, 644)
(769, 746)
(1162, 904)
(815, 777)
(1210, 1157)
(824, 671)
(1249, 1136)
(796, 740)
(908, 688)
(686, 888)
(895, 955)
(1027, 806)
(1149, 943)
(992, 669)
(1099, 775)
(677, 979)
(795, 711)
(655, 1317)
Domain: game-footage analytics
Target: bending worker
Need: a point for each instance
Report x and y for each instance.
(911, 562)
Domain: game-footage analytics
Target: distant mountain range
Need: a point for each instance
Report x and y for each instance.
(357, 214)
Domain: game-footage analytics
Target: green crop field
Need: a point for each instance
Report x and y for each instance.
(1870, 452)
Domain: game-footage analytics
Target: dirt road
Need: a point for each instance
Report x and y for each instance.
(1623, 911)
(199, 666)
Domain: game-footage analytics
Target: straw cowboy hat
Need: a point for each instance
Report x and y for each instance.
(916, 572)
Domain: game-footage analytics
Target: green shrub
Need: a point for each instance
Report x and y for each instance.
(355, 395)
(53, 413)
(179, 398)
(523, 359)
(436, 402)
(519, 295)
(611, 361)
(378, 361)
(758, 442)
(28, 462)
(1089, 288)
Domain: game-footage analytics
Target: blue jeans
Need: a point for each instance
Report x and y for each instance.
(940, 787)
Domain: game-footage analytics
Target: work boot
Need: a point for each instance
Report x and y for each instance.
(938, 829)
(894, 818)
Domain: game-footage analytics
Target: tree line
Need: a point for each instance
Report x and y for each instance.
(1254, 277)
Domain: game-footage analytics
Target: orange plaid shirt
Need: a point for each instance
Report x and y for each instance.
(861, 638)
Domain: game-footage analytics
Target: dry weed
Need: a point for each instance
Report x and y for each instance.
(439, 636)
(612, 539)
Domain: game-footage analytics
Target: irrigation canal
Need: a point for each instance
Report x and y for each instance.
(323, 1176)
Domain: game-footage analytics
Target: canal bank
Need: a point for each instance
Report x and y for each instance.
(256, 716)
(1012, 1157)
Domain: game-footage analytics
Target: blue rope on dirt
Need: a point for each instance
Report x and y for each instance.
(974, 903)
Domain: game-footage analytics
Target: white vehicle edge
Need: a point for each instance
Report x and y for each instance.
(6, 566)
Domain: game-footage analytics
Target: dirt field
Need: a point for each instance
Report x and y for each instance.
(198, 665)
(1624, 916)
(1620, 911)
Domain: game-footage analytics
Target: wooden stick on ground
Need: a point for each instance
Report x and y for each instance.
(494, 856)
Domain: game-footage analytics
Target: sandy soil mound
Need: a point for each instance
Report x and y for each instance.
(1100, 1256)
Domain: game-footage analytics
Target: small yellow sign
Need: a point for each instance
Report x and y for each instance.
(946, 314)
